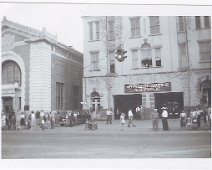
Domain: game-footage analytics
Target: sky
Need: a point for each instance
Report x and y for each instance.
(65, 20)
(62, 20)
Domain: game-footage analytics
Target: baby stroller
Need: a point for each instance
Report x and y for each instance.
(91, 125)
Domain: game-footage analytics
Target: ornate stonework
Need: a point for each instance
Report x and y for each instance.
(7, 42)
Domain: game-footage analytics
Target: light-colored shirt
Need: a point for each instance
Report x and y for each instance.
(183, 114)
(130, 113)
(109, 112)
(165, 113)
(122, 119)
(138, 109)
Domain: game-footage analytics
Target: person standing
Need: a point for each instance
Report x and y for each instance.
(32, 120)
(52, 119)
(164, 119)
(138, 111)
(22, 119)
(183, 116)
(122, 119)
(109, 114)
(142, 112)
(155, 117)
(130, 117)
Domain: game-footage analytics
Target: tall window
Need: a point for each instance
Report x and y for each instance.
(198, 22)
(11, 73)
(91, 30)
(158, 56)
(205, 51)
(181, 23)
(97, 30)
(154, 25)
(111, 30)
(76, 100)
(112, 62)
(135, 26)
(146, 55)
(182, 55)
(134, 58)
(94, 32)
(59, 95)
(207, 22)
(94, 60)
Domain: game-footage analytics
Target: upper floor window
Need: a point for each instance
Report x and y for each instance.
(146, 55)
(112, 62)
(94, 33)
(135, 26)
(94, 60)
(111, 30)
(182, 55)
(154, 25)
(11, 73)
(207, 22)
(134, 58)
(181, 24)
(198, 22)
(205, 50)
(202, 22)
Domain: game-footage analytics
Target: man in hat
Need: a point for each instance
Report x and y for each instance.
(155, 117)
(164, 119)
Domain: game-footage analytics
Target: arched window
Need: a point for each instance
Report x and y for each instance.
(11, 73)
(146, 55)
(95, 101)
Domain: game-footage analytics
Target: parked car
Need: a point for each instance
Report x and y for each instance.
(73, 118)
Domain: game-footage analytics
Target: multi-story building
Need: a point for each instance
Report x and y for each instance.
(38, 72)
(168, 62)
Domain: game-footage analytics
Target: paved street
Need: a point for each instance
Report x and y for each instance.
(108, 141)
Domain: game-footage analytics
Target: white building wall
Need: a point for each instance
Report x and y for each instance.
(40, 76)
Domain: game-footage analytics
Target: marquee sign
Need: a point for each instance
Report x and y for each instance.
(153, 87)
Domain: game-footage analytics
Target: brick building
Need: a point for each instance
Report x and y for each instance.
(168, 62)
(38, 72)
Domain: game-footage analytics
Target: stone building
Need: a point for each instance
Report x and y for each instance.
(168, 62)
(38, 72)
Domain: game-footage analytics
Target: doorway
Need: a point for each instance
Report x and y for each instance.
(122, 104)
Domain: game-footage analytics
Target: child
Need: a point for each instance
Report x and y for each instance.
(122, 119)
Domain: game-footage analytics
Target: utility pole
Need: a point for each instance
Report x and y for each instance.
(188, 65)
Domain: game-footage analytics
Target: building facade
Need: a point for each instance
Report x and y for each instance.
(168, 62)
(38, 72)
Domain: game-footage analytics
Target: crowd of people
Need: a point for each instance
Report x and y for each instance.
(48, 119)
(28, 120)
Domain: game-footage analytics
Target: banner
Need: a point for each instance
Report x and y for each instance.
(153, 87)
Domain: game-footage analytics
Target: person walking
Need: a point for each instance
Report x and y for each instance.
(22, 119)
(130, 117)
(109, 114)
(155, 117)
(52, 119)
(122, 119)
(164, 119)
(138, 111)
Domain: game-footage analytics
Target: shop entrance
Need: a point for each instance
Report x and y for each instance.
(173, 101)
(122, 104)
(7, 104)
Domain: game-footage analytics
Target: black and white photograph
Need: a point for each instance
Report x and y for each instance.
(111, 85)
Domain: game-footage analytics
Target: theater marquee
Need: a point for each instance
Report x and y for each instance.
(153, 87)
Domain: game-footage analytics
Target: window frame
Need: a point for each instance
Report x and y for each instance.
(94, 61)
(152, 24)
(201, 59)
(135, 27)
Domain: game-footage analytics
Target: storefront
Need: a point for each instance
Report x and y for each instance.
(150, 96)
